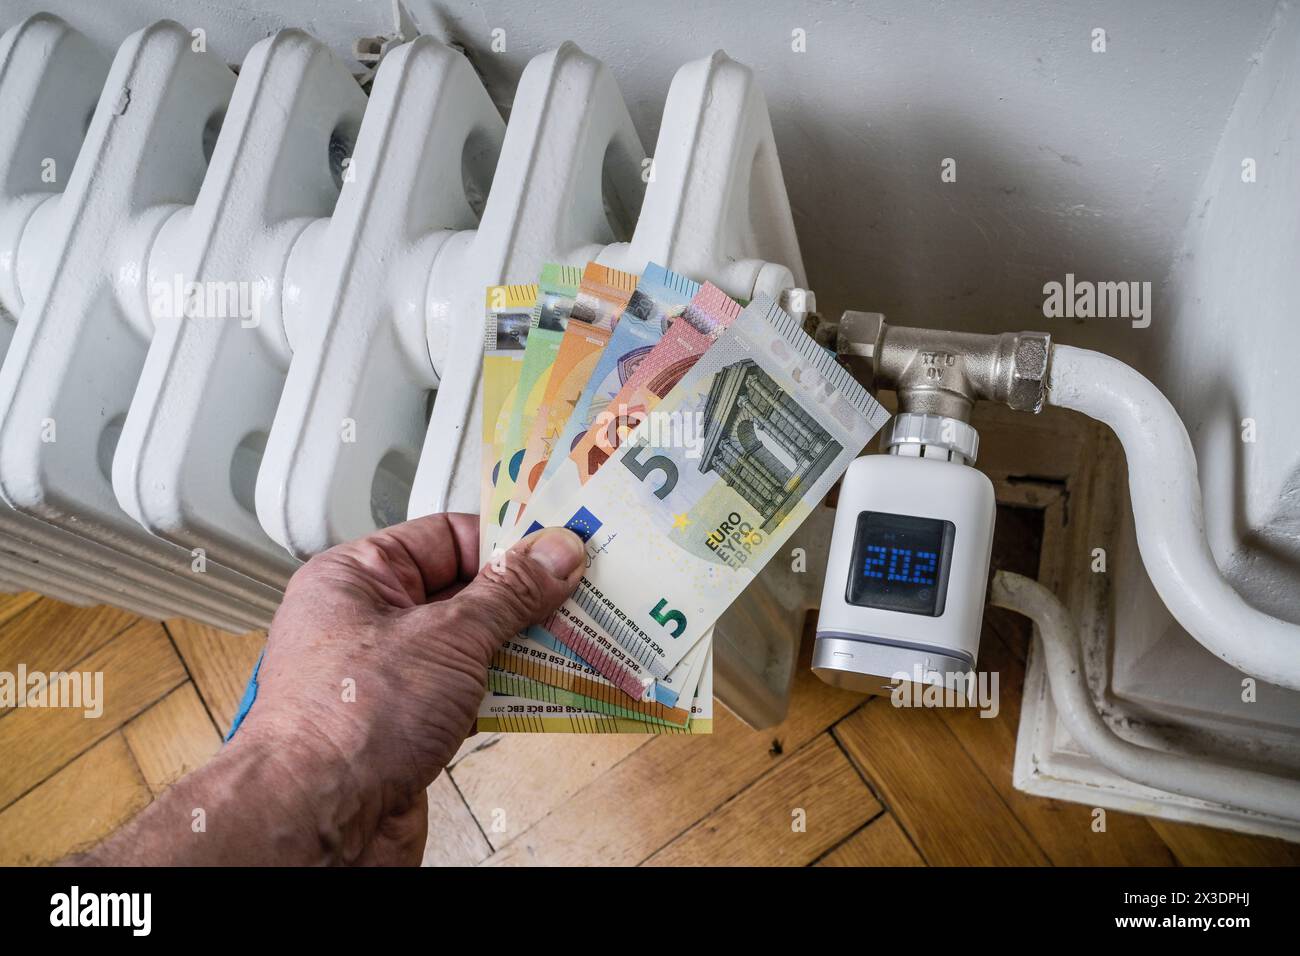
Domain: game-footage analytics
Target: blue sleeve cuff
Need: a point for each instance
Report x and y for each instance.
(246, 702)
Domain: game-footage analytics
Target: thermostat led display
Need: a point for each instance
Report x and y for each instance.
(900, 563)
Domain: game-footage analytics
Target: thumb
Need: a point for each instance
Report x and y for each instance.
(519, 587)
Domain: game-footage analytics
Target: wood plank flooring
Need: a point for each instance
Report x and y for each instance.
(843, 781)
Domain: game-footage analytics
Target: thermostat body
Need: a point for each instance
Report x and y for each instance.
(907, 573)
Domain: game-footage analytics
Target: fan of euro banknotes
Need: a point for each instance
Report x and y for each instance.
(683, 438)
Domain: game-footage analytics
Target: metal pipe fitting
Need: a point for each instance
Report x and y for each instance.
(944, 373)
(915, 435)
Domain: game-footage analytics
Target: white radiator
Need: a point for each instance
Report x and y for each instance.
(243, 315)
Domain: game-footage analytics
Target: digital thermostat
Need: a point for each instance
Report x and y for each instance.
(909, 561)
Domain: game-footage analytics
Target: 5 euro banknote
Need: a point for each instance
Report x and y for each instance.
(704, 492)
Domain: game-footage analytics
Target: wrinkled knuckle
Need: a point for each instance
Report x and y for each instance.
(460, 617)
(367, 552)
(311, 573)
(470, 621)
(517, 583)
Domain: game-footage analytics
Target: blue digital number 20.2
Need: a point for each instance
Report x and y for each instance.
(899, 564)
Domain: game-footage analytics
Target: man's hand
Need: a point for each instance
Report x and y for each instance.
(374, 669)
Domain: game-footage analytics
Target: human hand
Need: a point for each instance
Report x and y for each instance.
(377, 660)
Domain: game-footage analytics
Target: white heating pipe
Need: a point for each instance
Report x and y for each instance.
(1219, 783)
(1166, 497)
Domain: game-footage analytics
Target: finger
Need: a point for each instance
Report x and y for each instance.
(518, 588)
(428, 553)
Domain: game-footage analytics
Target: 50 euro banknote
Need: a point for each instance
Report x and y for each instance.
(685, 515)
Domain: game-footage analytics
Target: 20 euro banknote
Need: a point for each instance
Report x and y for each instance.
(683, 518)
